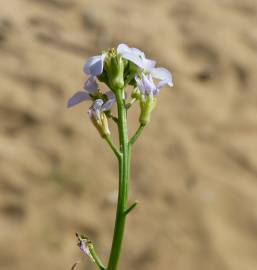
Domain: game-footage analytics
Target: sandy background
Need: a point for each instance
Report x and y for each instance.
(194, 170)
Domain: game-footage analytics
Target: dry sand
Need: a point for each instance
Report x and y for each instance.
(194, 170)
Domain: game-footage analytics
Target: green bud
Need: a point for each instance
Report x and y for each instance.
(147, 104)
(114, 67)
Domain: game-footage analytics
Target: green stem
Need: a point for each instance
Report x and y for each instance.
(97, 259)
(136, 135)
(124, 168)
(113, 147)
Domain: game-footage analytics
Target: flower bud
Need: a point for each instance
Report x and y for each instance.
(114, 67)
(147, 104)
(99, 118)
(101, 124)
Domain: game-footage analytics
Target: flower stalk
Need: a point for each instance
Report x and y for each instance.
(124, 168)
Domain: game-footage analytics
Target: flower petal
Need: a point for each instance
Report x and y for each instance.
(94, 65)
(163, 83)
(140, 85)
(134, 58)
(84, 248)
(95, 109)
(138, 52)
(91, 84)
(77, 98)
(148, 64)
(162, 74)
(148, 83)
(97, 104)
(110, 95)
(108, 104)
(123, 48)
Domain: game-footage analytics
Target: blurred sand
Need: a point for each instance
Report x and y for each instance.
(194, 169)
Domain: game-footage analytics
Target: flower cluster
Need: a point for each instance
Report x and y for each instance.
(118, 68)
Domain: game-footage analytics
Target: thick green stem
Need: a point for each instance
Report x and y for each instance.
(124, 168)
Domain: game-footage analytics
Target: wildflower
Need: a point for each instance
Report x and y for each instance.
(146, 65)
(148, 91)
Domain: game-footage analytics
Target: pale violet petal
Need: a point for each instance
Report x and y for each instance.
(162, 83)
(77, 98)
(134, 58)
(123, 48)
(162, 74)
(84, 248)
(138, 52)
(94, 65)
(108, 104)
(91, 61)
(97, 104)
(156, 91)
(95, 109)
(110, 95)
(91, 84)
(140, 85)
(148, 84)
(148, 64)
